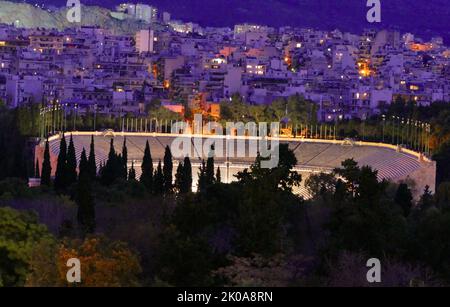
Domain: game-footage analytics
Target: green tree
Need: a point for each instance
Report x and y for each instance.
(61, 168)
(85, 199)
(218, 176)
(20, 234)
(46, 166)
(124, 159)
(167, 171)
(265, 204)
(112, 168)
(430, 244)
(201, 186)
(426, 200)
(363, 219)
(442, 158)
(209, 171)
(159, 180)
(132, 173)
(84, 165)
(14, 158)
(403, 198)
(147, 169)
(321, 185)
(443, 195)
(187, 176)
(184, 260)
(350, 172)
(91, 161)
(71, 165)
(179, 178)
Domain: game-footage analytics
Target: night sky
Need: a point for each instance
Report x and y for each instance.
(426, 18)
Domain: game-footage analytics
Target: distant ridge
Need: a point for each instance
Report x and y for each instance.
(426, 18)
(29, 16)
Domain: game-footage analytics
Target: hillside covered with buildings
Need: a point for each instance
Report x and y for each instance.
(125, 60)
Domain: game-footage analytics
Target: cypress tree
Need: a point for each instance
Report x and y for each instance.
(403, 198)
(118, 167)
(100, 170)
(218, 176)
(109, 169)
(124, 164)
(167, 171)
(202, 178)
(46, 166)
(159, 180)
(426, 200)
(187, 177)
(132, 173)
(85, 199)
(209, 175)
(112, 151)
(84, 165)
(91, 161)
(147, 169)
(37, 172)
(71, 166)
(179, 178)
(60, 174)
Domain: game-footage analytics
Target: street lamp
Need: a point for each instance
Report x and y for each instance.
(402, 130)
(393, 129)
(75, 117)
(95, 116)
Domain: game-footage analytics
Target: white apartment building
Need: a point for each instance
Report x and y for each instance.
(145, 40)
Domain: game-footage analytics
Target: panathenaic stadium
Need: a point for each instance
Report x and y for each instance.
(392, 162)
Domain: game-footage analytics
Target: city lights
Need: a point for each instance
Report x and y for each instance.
(214, 148)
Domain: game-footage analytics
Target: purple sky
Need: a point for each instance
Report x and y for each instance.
(426, 18)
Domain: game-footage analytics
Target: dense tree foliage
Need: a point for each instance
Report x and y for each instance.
(15, 158)
(252, 232)
(20, 233)
(105, 263)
